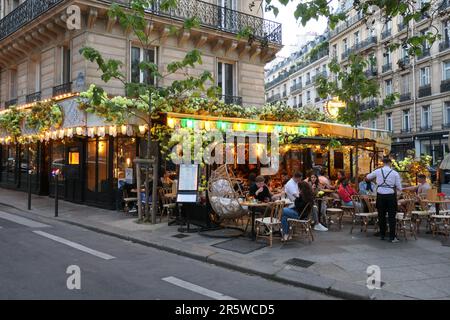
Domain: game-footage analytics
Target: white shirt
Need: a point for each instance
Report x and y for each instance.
(291, 190)
(393, 180)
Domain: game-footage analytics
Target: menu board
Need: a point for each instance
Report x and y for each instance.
(188, 177)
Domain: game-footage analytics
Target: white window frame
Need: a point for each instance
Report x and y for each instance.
(356, 37)
(386, 86)
(389, 121)
(405, 84)
(426, 109)
(406, 114)
(444, 69)
(141, 58)
(446, 109)
(425, 75)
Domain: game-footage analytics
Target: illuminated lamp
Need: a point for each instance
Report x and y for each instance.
(142, 129)
(101, 131)
(252, 127)
(171, 123)
(70, 132)
(79, 131)
(112, 131)
(190, 123)
(207, 125)
(123, 129)
(332, 107)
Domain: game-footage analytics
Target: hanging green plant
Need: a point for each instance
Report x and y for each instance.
(11, 120)
(334, 144)
(45, 115)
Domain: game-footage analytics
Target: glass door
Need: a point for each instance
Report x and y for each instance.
(228, 15)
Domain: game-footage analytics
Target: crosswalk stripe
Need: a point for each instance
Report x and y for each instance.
(195, 288)
(21, 220)
(75, 245)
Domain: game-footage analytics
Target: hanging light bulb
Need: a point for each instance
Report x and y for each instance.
(79, 131)
(112, 131)
(91, 132)
(142, 129)
(123, 129)
(101, 131)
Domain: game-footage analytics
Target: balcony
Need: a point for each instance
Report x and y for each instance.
(425, 128)
(405, 96)
(318, 55)
(425, 53)
(403, 63)
(446, 125)
(386, 33)
(316, 99)
(346, 24)
(296, 87)
(386, 67)
(359, 46)
(425, 91)
(231, 99)
(405, 130)
(444, 45)
(299, 105)
(62, 89)
(307, 82)
(33, 97)
(368, 105)
(401, 26)
(371, 73)
(445, 85)
(209, 15)
(274, 98)
(278, 79)
(284, 94)
(23, 14)
(10, 103)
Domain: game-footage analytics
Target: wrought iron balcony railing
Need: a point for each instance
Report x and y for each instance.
(316, 99)
(401, 26)
(24, 13)
(231, 99)
(278, 79)
(446, 125)
(386, 67)
(62, 89)
(444, 45)
(208, 14)
(427, 127)
(425, 53)
(274, 98)
(10, 103)
(425, 91)
(307, 82)
(386, 33)
(403, 63)
(346, 24)
(368, 105)
(405, 96)
(296, 87)
(371, 73)
(405, 130)
(299, 105)
(445, 85)
(33, 97)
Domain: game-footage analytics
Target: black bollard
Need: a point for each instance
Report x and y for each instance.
(29, 189)
(56, 195)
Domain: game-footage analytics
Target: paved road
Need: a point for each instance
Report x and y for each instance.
(35, 256)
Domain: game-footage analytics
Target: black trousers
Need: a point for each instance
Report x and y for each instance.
(387, 204)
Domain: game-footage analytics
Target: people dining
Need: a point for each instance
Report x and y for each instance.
(305, 197)
(259, 190)
(346, 192)
(291, 187)
(366, 187)
(315, 183)
(422, 187)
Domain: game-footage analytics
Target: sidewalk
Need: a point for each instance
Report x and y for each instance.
(413, 269)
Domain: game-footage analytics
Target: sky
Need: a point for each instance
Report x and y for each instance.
(293, 33)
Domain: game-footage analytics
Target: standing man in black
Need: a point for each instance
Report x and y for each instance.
(389, 182)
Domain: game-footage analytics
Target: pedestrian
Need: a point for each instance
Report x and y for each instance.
(388, 182)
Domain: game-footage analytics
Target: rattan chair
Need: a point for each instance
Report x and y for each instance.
(358, 213)
(302, 227)
(421, 214)
(405, 218)
(270, 223)
(167, 205)
(224, 194)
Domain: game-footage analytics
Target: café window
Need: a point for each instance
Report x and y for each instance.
(97, 165)
(74, 156)
(8, 163)
(58, 159)
(139, 55)
(125, 153)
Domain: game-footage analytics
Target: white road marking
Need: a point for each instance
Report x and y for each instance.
(75, 245)
(197, 289)
(21, 220)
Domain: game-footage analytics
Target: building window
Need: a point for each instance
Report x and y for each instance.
(13, 84)
(389, 121)
(324, 69)
(295, 101)
(425, 44)
(308, 96)
(446, 70)
(345, 45)
(388, 87)
(65, 76)
(308, 78)
(300, 81)
(424, 76)
(426, 116)
(446, 31)
(356, 37)
(405, 84)
(373, 124)
(387, 57)
(139, 55)
(226, 78)
(447, 112)
(406, 120)
(334, 50)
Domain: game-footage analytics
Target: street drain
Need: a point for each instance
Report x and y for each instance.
(180, 236)
(300, 263)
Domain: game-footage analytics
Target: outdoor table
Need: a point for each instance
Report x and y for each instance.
(437, 203)
(254, 205)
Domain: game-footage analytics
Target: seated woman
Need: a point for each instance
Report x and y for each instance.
(306, 197)
(346, 192)
(316, 186)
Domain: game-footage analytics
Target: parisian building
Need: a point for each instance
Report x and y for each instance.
(40, 60)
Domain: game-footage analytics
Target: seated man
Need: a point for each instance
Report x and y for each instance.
(366, 187)
(422, 187)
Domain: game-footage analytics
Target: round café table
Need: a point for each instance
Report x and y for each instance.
(437, 203)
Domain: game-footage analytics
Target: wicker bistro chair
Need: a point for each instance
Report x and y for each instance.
(224, 193)
(166, 204)
(334, 212)
(270, 223)
(421, 214)
(358, 213)
(128, 201)
(302, 227)
(405, 218)
(440, 223)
